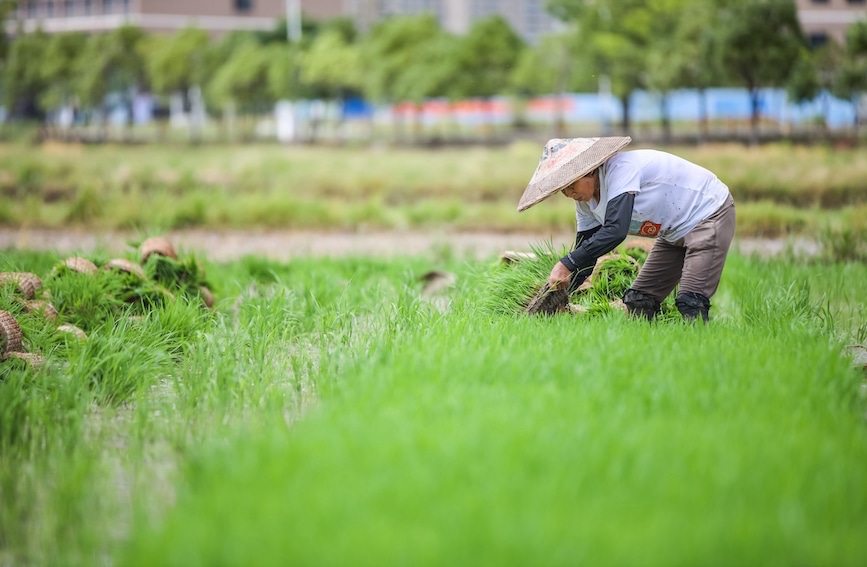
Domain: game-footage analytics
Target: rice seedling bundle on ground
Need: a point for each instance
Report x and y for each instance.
(77, 296)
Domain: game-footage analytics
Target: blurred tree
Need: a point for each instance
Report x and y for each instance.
(390, 49)
(671, 55)
(557, 65)
(176, 63)
(22, 79)
(57, 68)
(111, 63)
(6, 8)
(697, 54)
(620, 35)
(390, 54)
(332, 65)
(243, 78)
(284, 72)
(760, 42)
(486, 58)
(815, 75)
(244, 82)
(851, 81)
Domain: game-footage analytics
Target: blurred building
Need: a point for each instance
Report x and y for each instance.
(215, 16)
(527, 17)
(827, 20)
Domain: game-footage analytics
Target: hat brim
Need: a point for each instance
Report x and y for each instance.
(566, 160)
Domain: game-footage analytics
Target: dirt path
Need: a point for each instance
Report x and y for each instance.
(284, 245)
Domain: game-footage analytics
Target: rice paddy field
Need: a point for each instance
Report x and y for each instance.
(345, 411)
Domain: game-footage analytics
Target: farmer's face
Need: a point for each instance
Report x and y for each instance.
(582, 189)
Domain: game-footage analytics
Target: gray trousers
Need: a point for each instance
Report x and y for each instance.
(695, 261)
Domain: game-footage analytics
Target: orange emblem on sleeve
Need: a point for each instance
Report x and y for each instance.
(650, 229)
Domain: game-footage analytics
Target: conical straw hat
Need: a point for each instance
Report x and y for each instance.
(566, 159)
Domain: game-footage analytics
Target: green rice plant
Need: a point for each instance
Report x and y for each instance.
(85, 300)
(846, 241)
(118, 358)
(467, 439)
(87, 207)
(326, 398)
(182, 276)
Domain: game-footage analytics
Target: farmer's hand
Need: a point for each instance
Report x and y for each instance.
(560, 276)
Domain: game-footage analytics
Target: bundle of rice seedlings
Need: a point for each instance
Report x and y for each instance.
(74, 331)
(25, 283)
(31, 359)
(41, 307)
(10, 334)
(79, 264)
(548, 301)
(86, 299)
(186, 276)
(127, 266)
(612, 276)
(157, 245)
(508, 288)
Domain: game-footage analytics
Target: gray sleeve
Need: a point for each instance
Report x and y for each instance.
(592, 244)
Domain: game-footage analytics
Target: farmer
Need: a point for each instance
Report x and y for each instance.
(651, 193)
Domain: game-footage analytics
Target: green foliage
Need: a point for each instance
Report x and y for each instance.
(332, 63)
(328, 399)
(391, 48)
(22, 78)
(177, 62)
(243, 78)
(487, 55)
(58, 68)
(110, 62)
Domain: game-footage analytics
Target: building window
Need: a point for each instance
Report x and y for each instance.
(856, 2)
(817, 39)
(820, 1)
(243, 5)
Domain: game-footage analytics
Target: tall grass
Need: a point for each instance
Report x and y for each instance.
(327, 412)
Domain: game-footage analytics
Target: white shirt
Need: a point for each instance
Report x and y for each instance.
(672, 195)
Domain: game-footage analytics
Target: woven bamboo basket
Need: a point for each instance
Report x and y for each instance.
(124, 265)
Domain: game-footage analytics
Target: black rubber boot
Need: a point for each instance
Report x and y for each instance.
(692, 305)
(641, 304)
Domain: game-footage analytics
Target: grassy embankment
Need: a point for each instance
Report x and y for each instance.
(781, 190)
(325, 413)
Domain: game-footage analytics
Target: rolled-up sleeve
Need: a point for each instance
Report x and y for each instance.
(592, 244)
